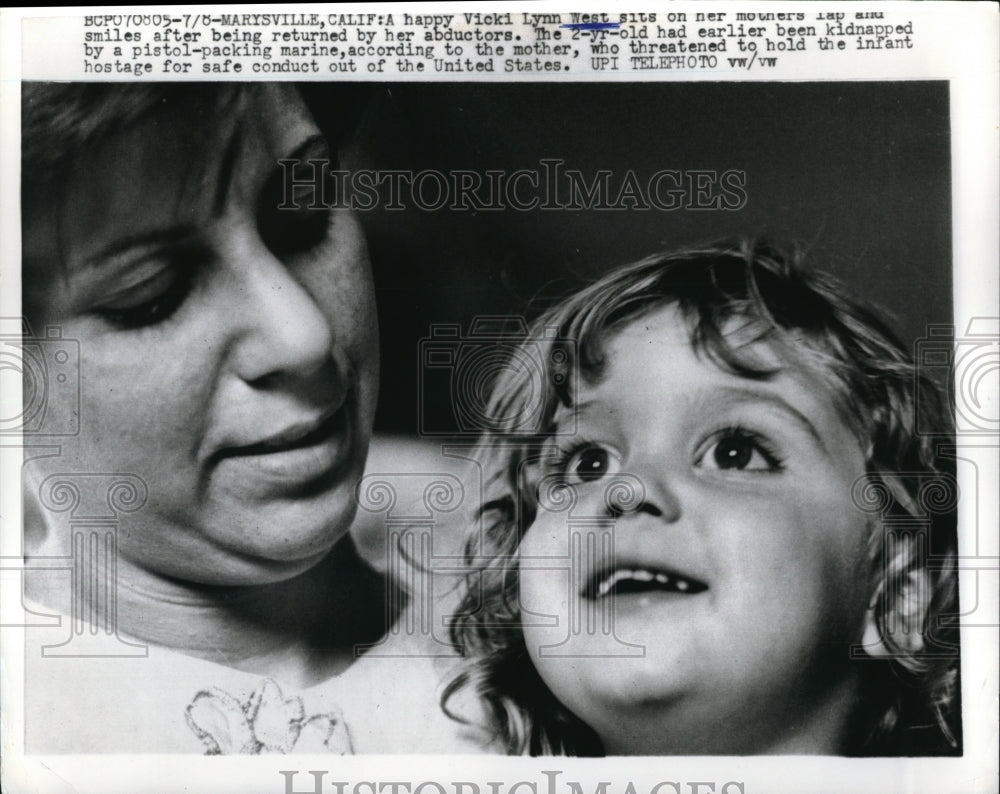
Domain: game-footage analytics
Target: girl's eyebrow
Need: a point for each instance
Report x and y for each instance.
(737, 395)
(725, 395)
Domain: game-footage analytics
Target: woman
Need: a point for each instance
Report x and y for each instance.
(228, 362)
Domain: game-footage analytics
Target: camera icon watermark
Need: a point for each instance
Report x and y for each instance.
(49, 369)
(413, 506)
(88, 509)
(970, 365)
(461, 372)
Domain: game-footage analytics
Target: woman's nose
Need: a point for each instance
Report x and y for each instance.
(284, 331)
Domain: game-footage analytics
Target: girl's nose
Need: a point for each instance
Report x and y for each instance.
(624, 493)
(646, 492)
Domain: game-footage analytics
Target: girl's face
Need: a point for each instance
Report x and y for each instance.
(228, 350)
(714, 612)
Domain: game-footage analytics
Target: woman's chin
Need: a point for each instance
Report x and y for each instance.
(249, 545)
(290, 540)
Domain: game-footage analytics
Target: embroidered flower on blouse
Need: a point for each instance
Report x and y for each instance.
(267, 722)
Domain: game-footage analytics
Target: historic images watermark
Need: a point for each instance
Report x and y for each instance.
(316, 184)
(315, 781)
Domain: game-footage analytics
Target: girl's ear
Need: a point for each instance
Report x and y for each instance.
(897, 616)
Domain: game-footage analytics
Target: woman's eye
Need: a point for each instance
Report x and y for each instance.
(290, 232)
(294, 224)
(740, 451)
(146, 306)
(589, 464)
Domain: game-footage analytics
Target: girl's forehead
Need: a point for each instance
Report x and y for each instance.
(741, 345)
(661, 349)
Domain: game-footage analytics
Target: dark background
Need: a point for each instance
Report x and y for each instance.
(858, 173)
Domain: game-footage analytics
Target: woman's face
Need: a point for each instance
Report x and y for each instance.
(228, 348)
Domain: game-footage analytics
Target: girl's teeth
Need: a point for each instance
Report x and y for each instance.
(642, 575)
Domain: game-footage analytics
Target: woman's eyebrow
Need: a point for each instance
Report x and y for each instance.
(227, 167)
(122, 244)
(315, 147)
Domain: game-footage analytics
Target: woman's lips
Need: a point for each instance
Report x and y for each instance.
(294, 436)
(303, 455)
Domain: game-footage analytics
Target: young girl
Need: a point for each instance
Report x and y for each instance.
(723, 534)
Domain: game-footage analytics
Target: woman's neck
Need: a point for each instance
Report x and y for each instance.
(300, 631)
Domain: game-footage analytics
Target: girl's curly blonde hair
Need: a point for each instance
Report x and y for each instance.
(909, 703)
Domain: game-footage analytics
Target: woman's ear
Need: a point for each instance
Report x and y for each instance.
(897, 615)
(39, 535)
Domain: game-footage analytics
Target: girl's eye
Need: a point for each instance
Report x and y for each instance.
(148, 304)
(740, 450)
(588, 463)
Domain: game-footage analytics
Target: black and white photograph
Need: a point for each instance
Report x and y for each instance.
(641, 420)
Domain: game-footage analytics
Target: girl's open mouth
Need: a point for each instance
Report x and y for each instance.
(631, 580)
